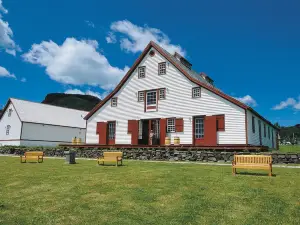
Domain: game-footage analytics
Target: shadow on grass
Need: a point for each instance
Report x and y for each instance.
(255, 174)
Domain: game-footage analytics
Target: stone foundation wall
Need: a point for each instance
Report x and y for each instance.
(155, 154)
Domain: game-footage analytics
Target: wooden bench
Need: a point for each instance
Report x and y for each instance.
(111, 157)
(263, 162)
(39, 156)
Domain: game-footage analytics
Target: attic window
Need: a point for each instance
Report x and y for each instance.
(114, 102)
(152, 53)
(142, 72)
(7, 129)
(162, 68)
(196, 92)
(9, 112)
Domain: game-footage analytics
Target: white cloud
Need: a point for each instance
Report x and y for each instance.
(2, 9)
(6, 35)
(90, 23)
(75, 62)
(88, 92)
(23, 80)
(111, 38)
(290, 102)
(4, 73)
(248, 100)
(136, 37)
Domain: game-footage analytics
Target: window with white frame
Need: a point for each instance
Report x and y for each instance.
(162, 93)
(171, 125)
(140, 129)
(199, 127)
(7, 129)
(111, 130)
(9, 112)
(196, 92)
(142, 72)
(114, 102)
(151, 98)
(141, 96)
(162, 68)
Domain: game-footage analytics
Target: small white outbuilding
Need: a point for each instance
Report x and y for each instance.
(25, 123)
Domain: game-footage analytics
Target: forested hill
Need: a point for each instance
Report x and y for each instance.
(287, 133)
(80, 102)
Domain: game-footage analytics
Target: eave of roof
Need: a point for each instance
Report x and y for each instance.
(163, 53)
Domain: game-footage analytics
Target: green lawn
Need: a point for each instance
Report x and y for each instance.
(144, 193)
(289, 148)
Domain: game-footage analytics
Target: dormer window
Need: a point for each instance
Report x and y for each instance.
(162, 68)
(142, 72)
(196, 92)
(114, 102)
(9, 112)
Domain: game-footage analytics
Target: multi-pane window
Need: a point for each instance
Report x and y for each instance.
(162, 68)
(114, 102)
(9, 112)
(265, 131)
(151, 98)
(199, 127)
(171, 125)
(269, 133)
(140, 129)
(141, 96)
(253, 124)
(7, 129)
(162, 93)
(111, 130)
(196, 92)
(142, 72)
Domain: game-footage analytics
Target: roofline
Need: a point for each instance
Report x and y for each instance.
(262, 118)
(161, 51)
(48, 104)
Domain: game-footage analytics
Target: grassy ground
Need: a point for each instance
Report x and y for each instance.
(144, 193)
(289, 148)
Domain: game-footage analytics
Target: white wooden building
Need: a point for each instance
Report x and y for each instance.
(25, 123)
(161, 92)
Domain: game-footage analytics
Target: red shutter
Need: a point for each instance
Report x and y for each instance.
(210, 131)
(133, 129)
(163, 130)
(179, 125)
(221, 123)
(102, 132)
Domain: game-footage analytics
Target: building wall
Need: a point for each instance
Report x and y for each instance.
(37, 134)
(178, 103)
(253, 138)
(40, 143)
(15, 130)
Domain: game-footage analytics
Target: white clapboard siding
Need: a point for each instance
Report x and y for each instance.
(178, 103)
(15, 127)
(51, 133)
(253, 138)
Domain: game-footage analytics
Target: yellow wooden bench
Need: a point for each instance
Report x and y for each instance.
(39, 156)
(111, 157)
(263, 162)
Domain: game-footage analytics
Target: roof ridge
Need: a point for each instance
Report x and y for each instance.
(40, 103)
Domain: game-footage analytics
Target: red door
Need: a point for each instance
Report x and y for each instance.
(205, 130)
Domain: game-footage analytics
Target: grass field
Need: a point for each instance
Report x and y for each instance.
(144, 193)
(289, 148)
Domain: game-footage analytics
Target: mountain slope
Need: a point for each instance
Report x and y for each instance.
(72, 101)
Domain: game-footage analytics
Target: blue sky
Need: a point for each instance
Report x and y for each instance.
(250, 48)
